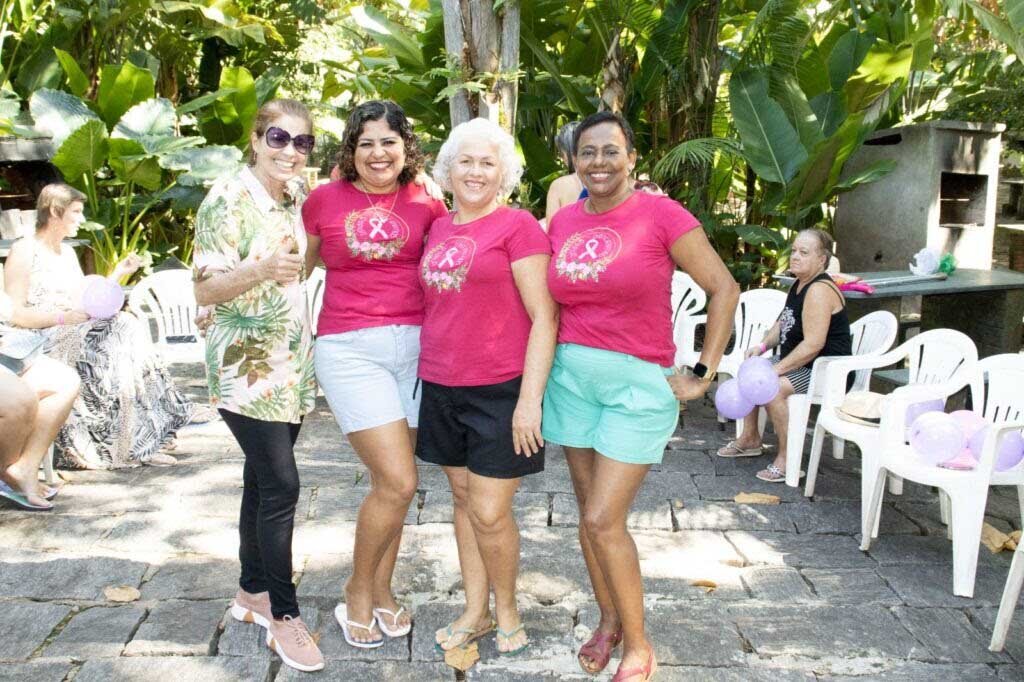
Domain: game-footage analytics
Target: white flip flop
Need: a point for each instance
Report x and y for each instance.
(400, 631)
(341, 615)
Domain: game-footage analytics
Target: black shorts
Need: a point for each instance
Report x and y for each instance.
(471, 426)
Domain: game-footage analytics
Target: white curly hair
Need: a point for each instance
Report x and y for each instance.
(476, 130)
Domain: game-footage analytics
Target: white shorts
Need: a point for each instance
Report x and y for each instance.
(369, 375)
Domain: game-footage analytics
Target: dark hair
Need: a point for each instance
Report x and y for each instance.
(824, 240)
(273, 110)
(596, 120)
(376, 110)
(563, 142)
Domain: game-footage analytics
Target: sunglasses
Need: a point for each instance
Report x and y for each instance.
(279, 139)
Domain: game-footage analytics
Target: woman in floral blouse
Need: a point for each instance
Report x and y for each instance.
(249, 251)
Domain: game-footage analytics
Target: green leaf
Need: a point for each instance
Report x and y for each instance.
(83, 153)
(812, 72)
(699, 151)
(770, 143)
(577, 99)
(131, 163)
(392, 36)
(1014, 10)
(40, 70)
(830, 111)
(152, 118)
(847, 55)
(58, 114)
(883, 65)
(203, 164)
(204, 100)
(868, 174)
(267, 84)
(78, 83)
(1000, 30)
(784, 89)
(233, 114)
(757, 235)
(122, 87)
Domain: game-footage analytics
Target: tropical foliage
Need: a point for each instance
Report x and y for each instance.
(746, 110)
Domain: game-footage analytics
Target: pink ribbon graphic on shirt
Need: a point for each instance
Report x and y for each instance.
(375, 234)
(591, 248)
(588, 253)
(377, 223)
(449, 258)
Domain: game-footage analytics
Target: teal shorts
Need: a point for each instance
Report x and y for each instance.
(612, 402)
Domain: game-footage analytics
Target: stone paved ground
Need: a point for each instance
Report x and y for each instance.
(795, 600)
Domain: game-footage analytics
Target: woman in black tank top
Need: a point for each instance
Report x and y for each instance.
(813, 323)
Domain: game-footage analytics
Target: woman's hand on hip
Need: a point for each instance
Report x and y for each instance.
(526, 437)
(686, 386)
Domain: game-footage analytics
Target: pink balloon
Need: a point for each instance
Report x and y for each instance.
(101, 298)
(970, 422)
(730, 401)
(1009, 452)
(936, 437)
(963, 462)
(917, 409)
(759, 384)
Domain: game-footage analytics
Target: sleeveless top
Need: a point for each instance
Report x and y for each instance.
(791, 327)
(55, 281)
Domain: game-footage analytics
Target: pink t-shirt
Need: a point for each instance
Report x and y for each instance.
(612, 275)
(371, 245)
(476, 327)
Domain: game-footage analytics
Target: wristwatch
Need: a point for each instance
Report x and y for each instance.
(703, 373)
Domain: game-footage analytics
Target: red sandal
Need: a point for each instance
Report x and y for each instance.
(646, 672)
(599, 650)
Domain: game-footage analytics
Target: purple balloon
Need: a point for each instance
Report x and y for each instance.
(759, 383)
(936, 437)
(917, 409)
(1009, 452)
(730, 401)
(101, 298)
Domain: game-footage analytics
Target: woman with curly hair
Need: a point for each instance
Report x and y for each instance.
(369, 227)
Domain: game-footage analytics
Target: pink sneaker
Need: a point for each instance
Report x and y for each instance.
(290, 638)
(252, 608)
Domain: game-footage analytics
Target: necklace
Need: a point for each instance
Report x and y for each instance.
(377, 207)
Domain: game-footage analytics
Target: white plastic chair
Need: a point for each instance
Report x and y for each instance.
(964, 493)
(1007, 605)
(937, 356)
(315, 294)
(688, 300)
(167, 298)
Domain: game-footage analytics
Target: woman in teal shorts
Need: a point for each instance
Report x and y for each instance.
(612, 395)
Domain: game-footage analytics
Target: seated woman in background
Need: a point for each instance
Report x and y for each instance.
(33, 406)
(812, 323)
(567, 189)
(128, 407)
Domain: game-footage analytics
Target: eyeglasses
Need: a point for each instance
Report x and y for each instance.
(279, 139)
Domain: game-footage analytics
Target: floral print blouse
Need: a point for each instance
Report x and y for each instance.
(259, 347)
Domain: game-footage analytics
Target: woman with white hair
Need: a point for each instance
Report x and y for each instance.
(486, 347)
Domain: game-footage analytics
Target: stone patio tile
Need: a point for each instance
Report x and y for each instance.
(87, 498)
(198, 478)
(668, 485)
(708, 638)
(25, 624)
(41, 575)
(648, 513)
(738, 674)
(927, 549)
(99, 632)
(551, 578)
(850, 586)
(318, 614)
(686, 461)
(844, 518)
(823, 631)
(379, 671)
(947, 636)
(725, 488)
(564, 511)
(66, 533)
(731, 516)
(984, 621)
(909, 671)
(178, 628)
(926, 515)
(333, 472)
(172, 533)
(555, 479)
(35, 671)
(224, 503)
(1010, 672)
(553, 671)
(783, 585)
(334, 505)
(1003, 507)
(319, 536)
(530, 509)
(437, 507)
(193, 578)
(243, 639)
(924, 585)
(789, 549)
(670, 550)
(178, 668)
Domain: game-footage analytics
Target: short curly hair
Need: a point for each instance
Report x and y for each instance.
(376, 110)
(511, 167)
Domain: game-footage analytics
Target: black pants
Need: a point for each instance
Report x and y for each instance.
(269, 498)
